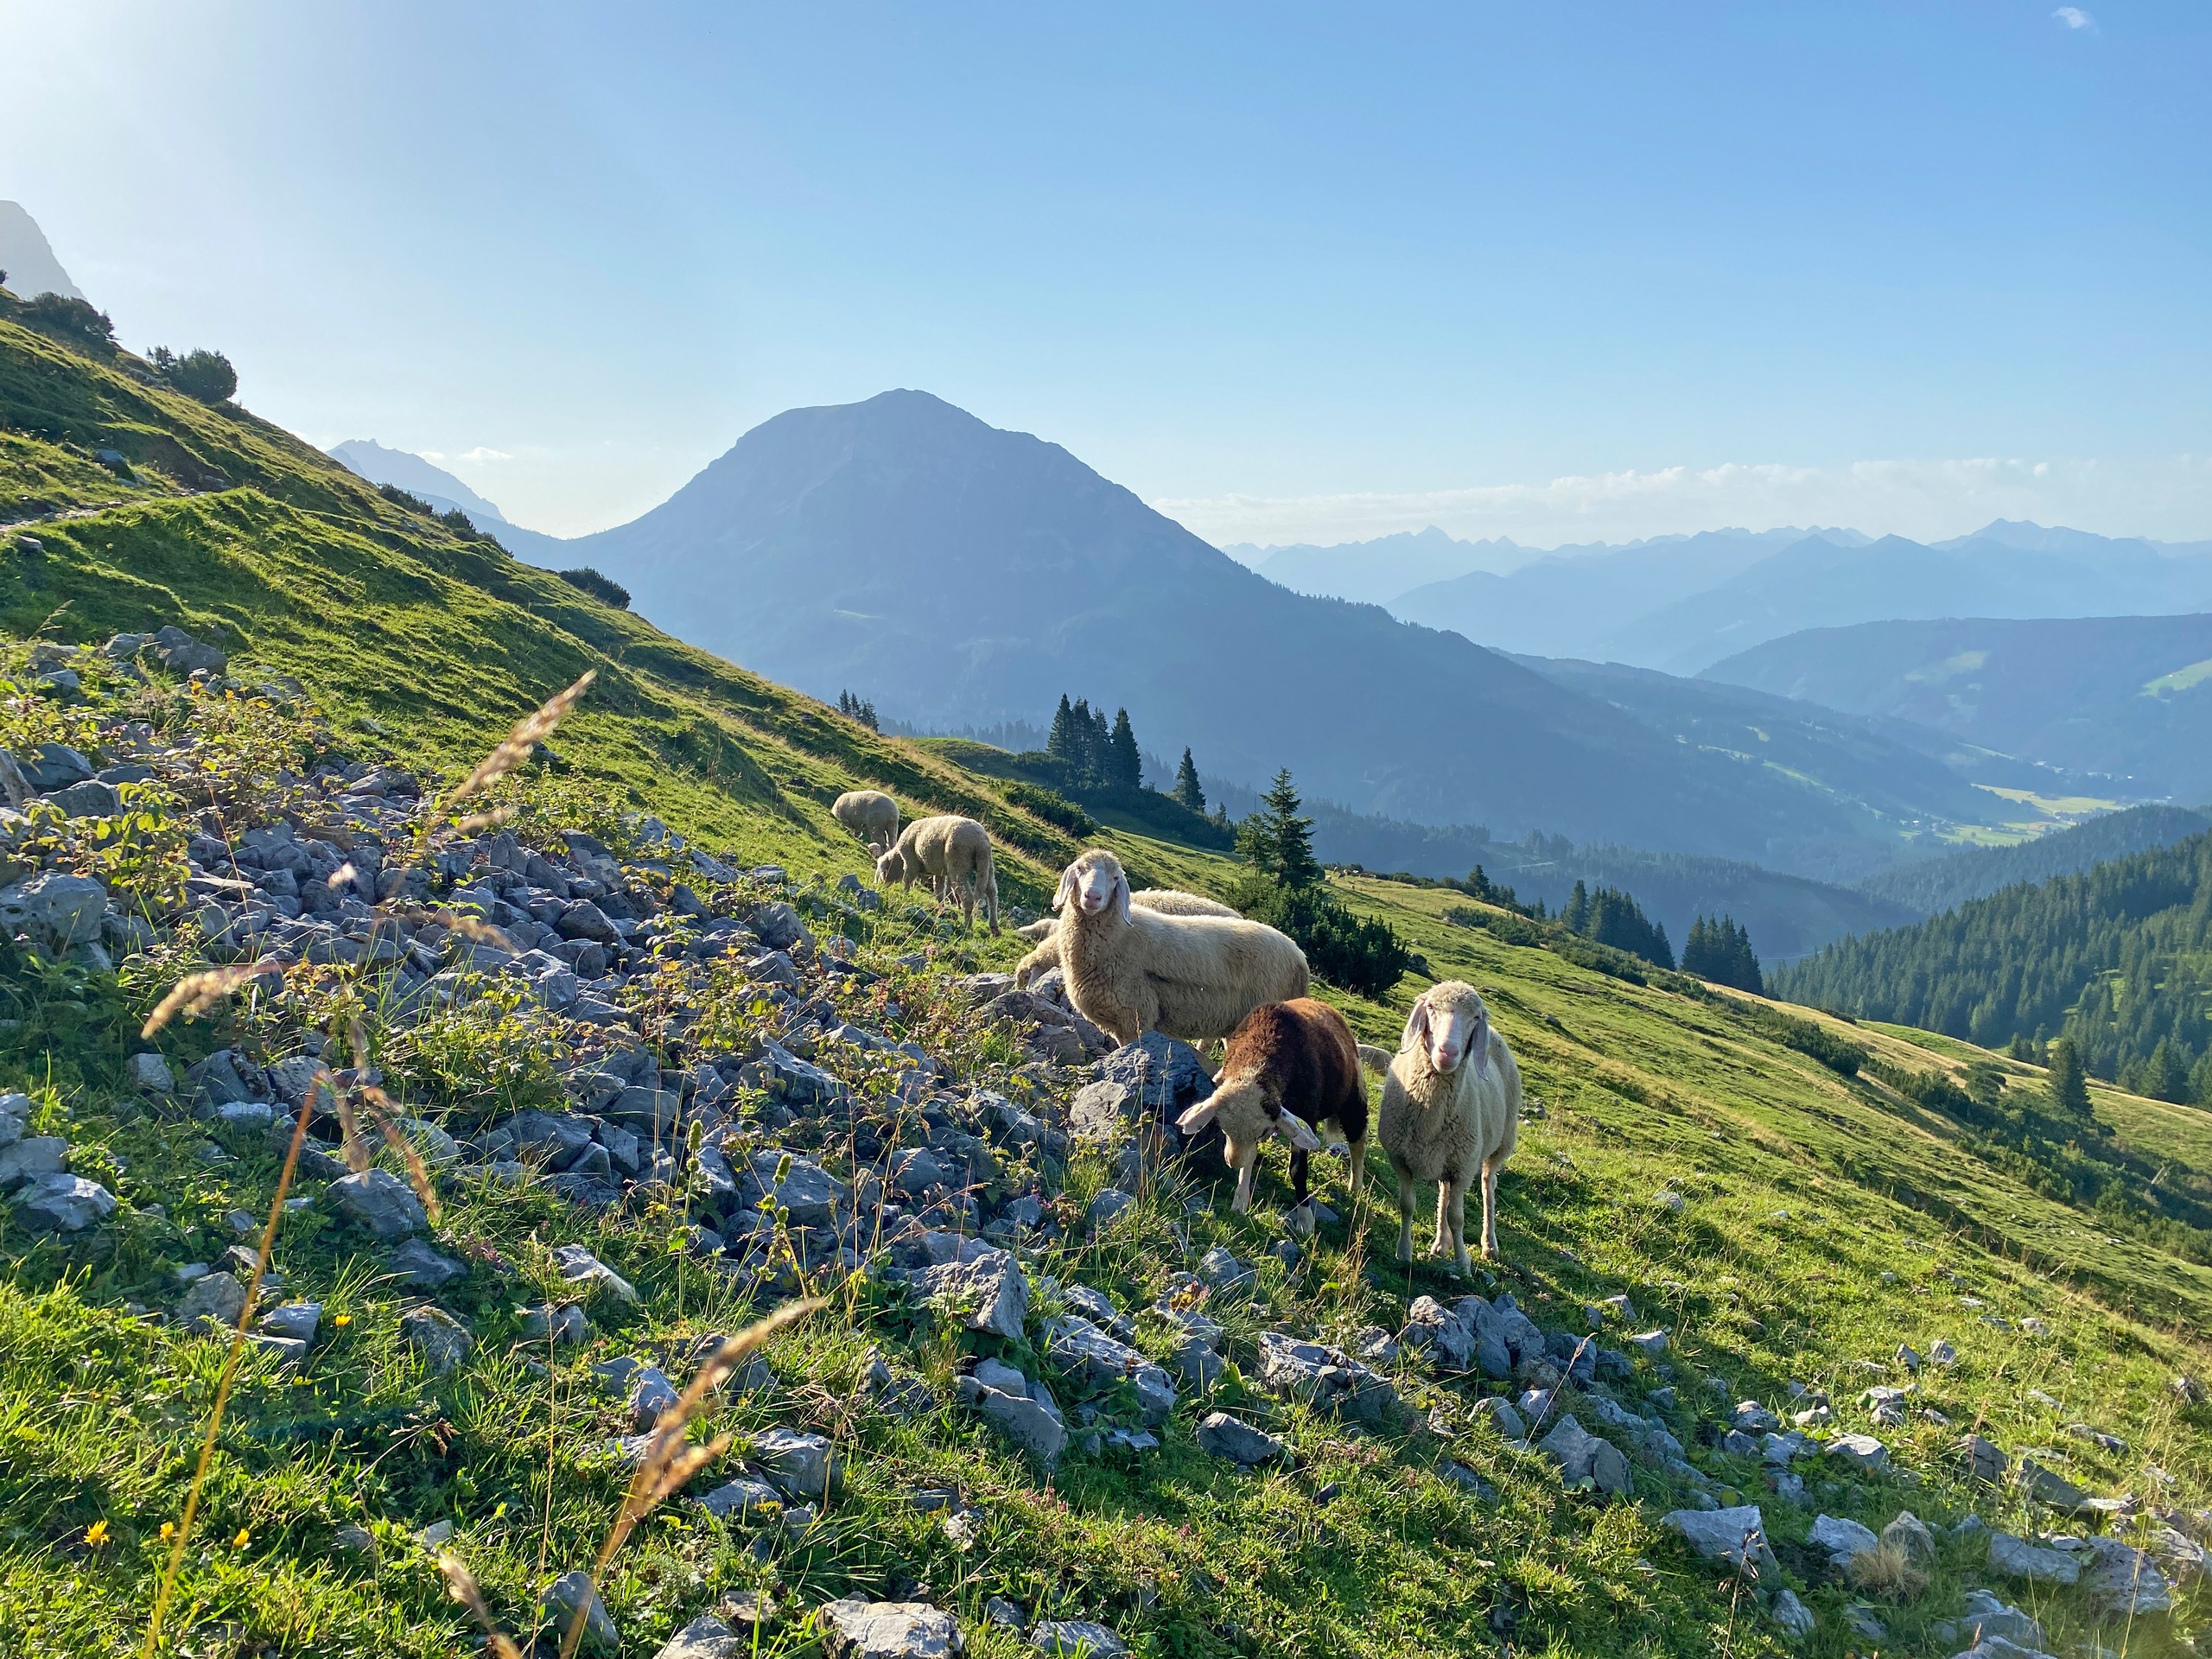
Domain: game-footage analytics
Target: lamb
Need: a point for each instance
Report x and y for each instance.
(871, 815)
(1451, 1109)
(954, 854)
(1165, 901)
(1291, 1067)
(1130, 970)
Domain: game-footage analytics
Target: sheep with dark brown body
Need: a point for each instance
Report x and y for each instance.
(1291, 1068)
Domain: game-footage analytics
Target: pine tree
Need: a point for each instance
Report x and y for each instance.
(1061, 744)
(1278, 841)
(1577, 913)
(1102, 748)
(2069, 1089)
(1186, 788)
(1125, 765)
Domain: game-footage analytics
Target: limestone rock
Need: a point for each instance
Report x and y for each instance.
(443, 1341)
(568, 1594)
(853, 1629)
(1076, 1639)
(1736, 1536)
(2015, 1558)
(56, 1203)
(1221, 1435)
(799, 1464)
(988, 1292)
(380, 1201)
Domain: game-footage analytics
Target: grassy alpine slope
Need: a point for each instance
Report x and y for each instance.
(1822, 1220)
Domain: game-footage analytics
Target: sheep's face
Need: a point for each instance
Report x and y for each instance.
(1092, 883)
(1240, 1111)
(1449, 1023)
(889, 868)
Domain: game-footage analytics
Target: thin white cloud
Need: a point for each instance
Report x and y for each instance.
(2075, 17)
(2168, 499)
(483, 453)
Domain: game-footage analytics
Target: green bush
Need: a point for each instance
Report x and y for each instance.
(1051, 806)
(75, 322)
(1347, 951)
(605, 589)
(205, 375)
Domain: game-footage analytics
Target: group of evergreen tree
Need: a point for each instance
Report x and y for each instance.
(1721, 951)
(1287, 889)
(1611, 916)
(858, 709)
(2118, 959)
(1100, 754)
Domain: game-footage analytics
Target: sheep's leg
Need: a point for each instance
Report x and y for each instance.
(1299, 1156)
(1491, 1166)
(1460, 1263)
(1247, 1180)
(1357, 1149)
(1405, 1215)
(1444, 1189)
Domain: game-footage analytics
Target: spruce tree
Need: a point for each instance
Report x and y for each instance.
(2069, 1089)
(1061, 744)
(1278, 841)
(1102, 748)
(1125, 765)
(1577, 913)
(1186, 785)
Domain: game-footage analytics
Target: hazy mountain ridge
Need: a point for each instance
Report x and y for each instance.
(28, 258)
(1939, 884)
(959, 575)
(2129, 697)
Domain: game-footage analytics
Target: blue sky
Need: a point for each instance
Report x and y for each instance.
(1293, 272)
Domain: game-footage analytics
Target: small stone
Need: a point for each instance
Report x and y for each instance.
(149, 1075)
(2123, 1582)
(1501, 1417)
(580, 1267)
(1910, 1537)
(799, 1464)
(1736, 1535)
(2015, 1558)
(853, 1629)
(743, 1498)
(1792, 1617)
(705, 1638)
(1222, 1271)
(351, 1540)
(1076, 1639)
(573, 1593)
(380, 1201)
(443, 1341)
(988, 1292)
(1107, 1205)
(563, 1325)
(1984, 1460)
(1651, 1344)
(1863, 1450)
(214, 1301)
(31, 1158)
(1003, 1613)
(1221, 1435)
(416, 1263)
(55, 1203)
(2049, 1487)
(1580, 1455)
(298, 1320)
(1841, 1539)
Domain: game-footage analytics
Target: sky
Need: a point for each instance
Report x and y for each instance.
(1292, 273)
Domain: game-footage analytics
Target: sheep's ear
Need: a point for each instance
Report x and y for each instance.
(1066, 889)
(1296, 1130)
(1122, 894)
(1198, 1117)
(1416, 1023)
(1478, 1045)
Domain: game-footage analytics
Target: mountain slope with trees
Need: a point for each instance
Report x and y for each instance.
(2118, 959)
(1935, 884)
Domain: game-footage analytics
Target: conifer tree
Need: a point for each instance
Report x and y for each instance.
(1278, 841)
(1062, 741)
(2069, 1089)
(1186, 785)
(1125, 766)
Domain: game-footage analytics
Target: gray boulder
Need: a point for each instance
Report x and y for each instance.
(1862, 1450)
(1792, 1617)
(54, 910)
(988, 1294)
(2015, 1558)
(853, 1629)
(31, 1157)
(1326, 1378)
(214, 1303)
(580, 1267)
(380, 1201)
(1075, 1343)
(567, 1595)
(1580, 1455)
(807, 1192)
(297, 1321)
(1841, 1539)
(1076, 1639)
(2122, 1582)
(416, 1263)
(180, 653)
(743, 1498)
(705, 1638)
(443, 1341)
(1222, 1271)
(1022, 1410)
(63, 1204)
(800, 1465)
(1736, 1536)
(1221, 1435)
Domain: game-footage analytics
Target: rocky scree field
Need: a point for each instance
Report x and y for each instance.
(582, 1088)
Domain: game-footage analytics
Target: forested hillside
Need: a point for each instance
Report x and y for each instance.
(2118, 957)
(1938, 884)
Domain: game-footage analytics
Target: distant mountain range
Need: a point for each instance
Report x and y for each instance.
(2127, 697)
(1936, 885)
(960, 576)
(1375, 572)
(28, 257)
(430, 482)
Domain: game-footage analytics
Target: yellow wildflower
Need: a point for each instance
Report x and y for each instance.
(96, 1535)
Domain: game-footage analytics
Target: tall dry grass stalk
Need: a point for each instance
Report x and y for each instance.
(670, 1461)
(195, 994)
(230, 1371)
(462, 1586)
(529, 731)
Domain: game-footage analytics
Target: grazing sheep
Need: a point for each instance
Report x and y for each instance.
(954, 854)
(1165, 901)
(1291, 1068)
(1451, 1110)
(871, 815)
(1130, 970)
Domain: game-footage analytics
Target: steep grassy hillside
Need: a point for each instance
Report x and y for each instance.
(1785, 1225)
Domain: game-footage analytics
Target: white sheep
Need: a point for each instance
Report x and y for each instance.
(871, 815)
(1164, 902)
(1451, 1111)
(1130, 969)
(953, 853)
